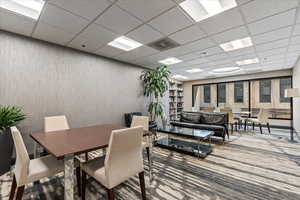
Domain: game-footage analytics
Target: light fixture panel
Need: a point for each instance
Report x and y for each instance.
(225, 70)
(170, 61)
(237, 44)
(125, 43)
(178, 76)
(28, 8)
(247, 61)
(194, 70)
(199, 10)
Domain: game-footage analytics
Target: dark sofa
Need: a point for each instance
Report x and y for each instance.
(216, 122)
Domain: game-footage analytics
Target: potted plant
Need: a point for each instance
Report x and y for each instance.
(9, 116)
(156, 83)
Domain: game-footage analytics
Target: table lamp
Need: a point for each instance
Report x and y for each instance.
(292, 93)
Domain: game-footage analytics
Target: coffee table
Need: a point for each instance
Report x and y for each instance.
(195, 148)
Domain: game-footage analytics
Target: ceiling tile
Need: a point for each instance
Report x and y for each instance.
(294, 48)
(239, 52)
(210, 51)
(88, 9)
(232, 34)
(145, 9)
(62, 19)
(93, 37)
(187, 57)
(295, 40)
(222, 22)
(274, 22)
(272, 45)
(137, 53)
(272, 52)
(296, 29)
(118, 20)
(16, 23)
(272, 36)
(200, 44)
(188, 35)
(145, 34)
(109, 51)
(240, 2)
(171, 21)
(50, 33)
(258, 9)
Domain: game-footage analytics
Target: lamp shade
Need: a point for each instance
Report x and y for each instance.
(291, 92)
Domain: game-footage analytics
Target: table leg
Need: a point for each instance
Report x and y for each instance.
(150, 159)
(69, 177)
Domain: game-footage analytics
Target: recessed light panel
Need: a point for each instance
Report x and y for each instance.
(247, 62)
(237, 44)
(225, 70)
(195, 70)
(178, 76)
(203, 9)
(170, 61)
(124, 43)
(28, 8)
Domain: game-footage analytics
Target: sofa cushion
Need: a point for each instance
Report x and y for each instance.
(190, 117)
(213, 118)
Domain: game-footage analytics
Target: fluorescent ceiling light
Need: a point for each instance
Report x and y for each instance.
(124, 43)
(203, 9)
(225, 70)
(170, 61)
(195, 70)
(237, 44)
(247, 62)
(178, 76)
(28, 8)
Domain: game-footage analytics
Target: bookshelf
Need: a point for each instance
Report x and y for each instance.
(175, 99)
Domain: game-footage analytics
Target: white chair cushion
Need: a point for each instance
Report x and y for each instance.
(44, 167)
(253, 120)
(95, 168)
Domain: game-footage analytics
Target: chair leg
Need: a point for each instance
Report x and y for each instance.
(231, 129)
(245, 126)
(20, 191)
(260, 128)
(236, 126)
(110, 194)
(148, 153)
(78, 178)
(268, 125)
(142, 184)
(253, 124)
(13, 188)
(83, 177)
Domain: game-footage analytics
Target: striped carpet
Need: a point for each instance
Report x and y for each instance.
(248, 167)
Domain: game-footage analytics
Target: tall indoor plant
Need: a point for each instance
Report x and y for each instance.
(9, 116)
(155, 85)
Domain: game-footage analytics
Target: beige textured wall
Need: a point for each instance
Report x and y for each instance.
(187, 86)
(47, 80)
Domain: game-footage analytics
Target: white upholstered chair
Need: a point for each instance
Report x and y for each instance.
(144, 122)
(262, 118)
(122, 161)
(26, 170)
(60, 123)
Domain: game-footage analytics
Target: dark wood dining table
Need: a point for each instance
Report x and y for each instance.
(68, 143)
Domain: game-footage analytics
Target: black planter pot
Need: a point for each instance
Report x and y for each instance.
(6, 150)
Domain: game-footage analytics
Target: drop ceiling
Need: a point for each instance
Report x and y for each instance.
(273, 25)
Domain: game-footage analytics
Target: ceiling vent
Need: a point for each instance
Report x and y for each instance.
(164, 44)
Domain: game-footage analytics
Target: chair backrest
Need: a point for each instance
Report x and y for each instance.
(140, 121)
(263, 115)
(22, 158)
(124, 156)
(229, 112)
(56, 123)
